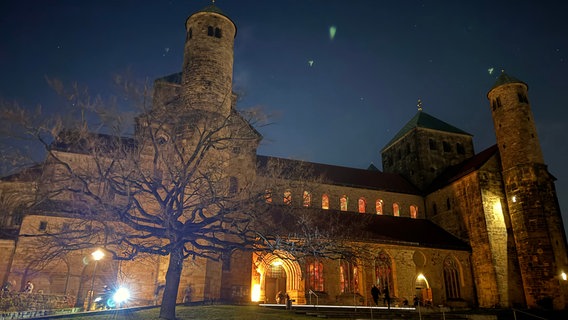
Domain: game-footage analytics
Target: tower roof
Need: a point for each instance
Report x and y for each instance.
(425, 121)
(212, 8)
(505, 79)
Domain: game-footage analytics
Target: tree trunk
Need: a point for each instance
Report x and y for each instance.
(173, 275)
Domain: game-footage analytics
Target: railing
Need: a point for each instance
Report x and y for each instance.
(18, 305)
(311, 292)
(526, 313)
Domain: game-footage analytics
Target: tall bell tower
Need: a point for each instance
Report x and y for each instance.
(531, 196)
(207, 73)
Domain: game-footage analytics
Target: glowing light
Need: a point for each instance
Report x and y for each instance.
(490, 70)
(255, 294)
(98, 255)
(564, 276)
(121, 295)
(514, 198)
(332, 31)
(311, 62)
(421, 277)
(277, 263)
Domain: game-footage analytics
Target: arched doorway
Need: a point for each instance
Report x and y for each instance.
(273, 273)
(423, 290)
(275, 281)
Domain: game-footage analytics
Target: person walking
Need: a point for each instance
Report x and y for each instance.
(387, 298)
(375, 292)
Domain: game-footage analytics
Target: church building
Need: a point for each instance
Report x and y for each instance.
(441, 222)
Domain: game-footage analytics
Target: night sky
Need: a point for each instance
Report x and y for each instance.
(333, 99)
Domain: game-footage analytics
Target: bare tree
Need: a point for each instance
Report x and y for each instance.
(183, 184)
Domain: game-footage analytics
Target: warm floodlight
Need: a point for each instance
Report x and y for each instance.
(564, 276)
(98, 255)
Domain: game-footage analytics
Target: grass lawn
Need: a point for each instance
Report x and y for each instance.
(211, 312)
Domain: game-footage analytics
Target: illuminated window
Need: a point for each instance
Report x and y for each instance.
(268, 196)
(343, 203)
(307, 199)
(395, 210)
(413, 211)
(362, 204)
(451, 279)
(287, 197)
(325, 202)
(379, 206)
(315, 276)
(383, 272)
(348, 277)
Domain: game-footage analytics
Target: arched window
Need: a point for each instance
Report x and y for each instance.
(413, 211)
(362, 204)
(451, 279)
(348, 277)
(315, 276)
(268, 196)
(379, 206)
(383, 272)
(288, 197)
(395, 210)
(343, 203)
(325, 201)
(307, 199)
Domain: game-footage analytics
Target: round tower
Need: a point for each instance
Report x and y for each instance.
(513, 120)
(532, 202)
(207, 73)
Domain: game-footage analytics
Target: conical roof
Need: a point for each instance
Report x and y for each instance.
(424, 120)
(505, 79)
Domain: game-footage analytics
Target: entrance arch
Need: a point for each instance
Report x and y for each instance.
(423, 290)
(276, 272)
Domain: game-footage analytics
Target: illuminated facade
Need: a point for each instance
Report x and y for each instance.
(449, 225)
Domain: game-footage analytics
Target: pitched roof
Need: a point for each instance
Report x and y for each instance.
(171, 78)
(506, 79)
(458, 171)
(424, 120)
(368, 227)
(337, 175)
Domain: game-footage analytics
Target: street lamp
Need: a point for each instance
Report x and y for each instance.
(97, 255)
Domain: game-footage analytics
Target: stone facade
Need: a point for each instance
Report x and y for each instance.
(497, 211)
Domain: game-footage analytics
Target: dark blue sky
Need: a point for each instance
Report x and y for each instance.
(362, 87)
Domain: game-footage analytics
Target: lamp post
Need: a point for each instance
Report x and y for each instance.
(97, 255)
